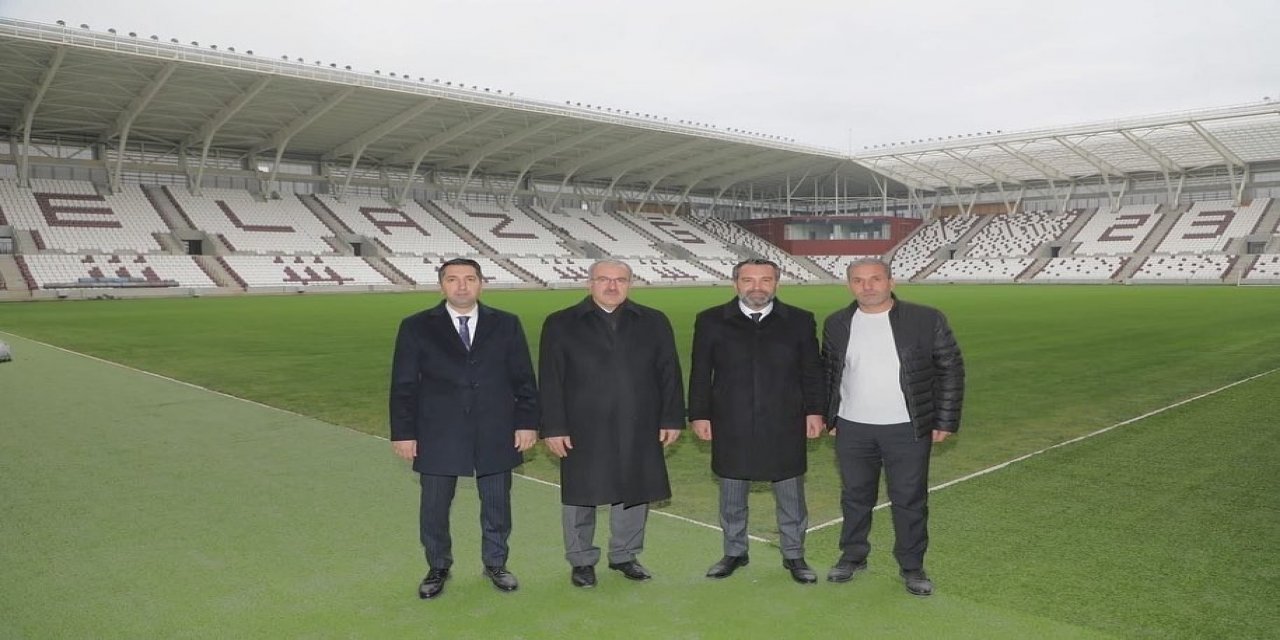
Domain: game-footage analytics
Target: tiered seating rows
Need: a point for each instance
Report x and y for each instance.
(249, 226)
(677, 230)
(1210, 225)
(508, 231)
(1117, 232)
(116, 270)
(838, 266)
(1183, 267)
(290, 271)
(423, 271)
(69, 215)
(604, 231)
(407, 229)
(652, 270)
(1018, 234)
(917, 252)
(1266, 268)
(1080, 269)
(982, 269)
(734, 234)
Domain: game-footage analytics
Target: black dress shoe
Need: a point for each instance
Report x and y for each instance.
(917, 583)
(433, 584)
(584, 576)
(800, 571)
(632, 570)
(727, 565)
(845, 570)
(501, 578)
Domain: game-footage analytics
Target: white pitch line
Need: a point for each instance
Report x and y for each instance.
(299, 415)
(1064, 443)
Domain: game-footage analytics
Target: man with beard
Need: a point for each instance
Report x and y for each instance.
(463, 403)
(755, 391)
(611, 400)
(895, 379)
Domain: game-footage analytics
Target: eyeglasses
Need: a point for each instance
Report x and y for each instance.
(603, 281)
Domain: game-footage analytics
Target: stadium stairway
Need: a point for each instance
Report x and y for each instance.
(218, 273)
(1269, 224)
(164, 205)
(14, 284)
(447, 220)
(1240, 265)
(657, 242)
(1032, 269)
(1069, 234)
(1148, 246)
(388, 271)
(961, 244)
(341, 234)
(572, 245)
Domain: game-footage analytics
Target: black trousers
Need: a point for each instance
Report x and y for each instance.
(495, 518)
(861, 451)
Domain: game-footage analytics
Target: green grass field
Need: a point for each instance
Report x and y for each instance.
(1157, 529)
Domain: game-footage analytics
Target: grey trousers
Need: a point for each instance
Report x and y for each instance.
(626, 533)
(793, 516)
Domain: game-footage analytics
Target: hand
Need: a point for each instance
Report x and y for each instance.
(939, 435)
(406, 449)
(814, 426)
(702, 429)
(559, 445)
(668, 436)
(525, 439)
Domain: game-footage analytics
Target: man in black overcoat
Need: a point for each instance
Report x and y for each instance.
(755, 391)
(463, 403)
(611, 399)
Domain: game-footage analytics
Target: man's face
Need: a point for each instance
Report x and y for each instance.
(461, 286)
(610, 284)
(756, 285)
(872, 286)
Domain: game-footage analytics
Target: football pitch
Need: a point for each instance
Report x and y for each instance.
(135, 506)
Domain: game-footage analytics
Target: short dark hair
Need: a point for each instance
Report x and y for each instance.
(458, 262)
(777, 272)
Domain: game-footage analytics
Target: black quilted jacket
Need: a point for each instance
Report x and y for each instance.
(932, 369)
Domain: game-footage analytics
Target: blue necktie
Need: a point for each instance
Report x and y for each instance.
(465, 331)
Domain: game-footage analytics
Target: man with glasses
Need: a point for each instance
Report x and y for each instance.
(611, 399)
(463, 403)
(755, 391)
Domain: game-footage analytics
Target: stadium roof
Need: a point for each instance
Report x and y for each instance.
(63, 80)
(124, 89)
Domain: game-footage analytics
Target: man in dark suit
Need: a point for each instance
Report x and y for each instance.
(463, 403)
(895, 383)
(611, 399)
(755, 391)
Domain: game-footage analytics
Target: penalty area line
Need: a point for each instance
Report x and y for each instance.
(1006, 463)
(705, 525)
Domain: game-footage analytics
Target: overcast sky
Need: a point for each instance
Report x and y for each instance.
(839, 74)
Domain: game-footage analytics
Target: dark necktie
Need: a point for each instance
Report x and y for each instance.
(464, 331)
(755, 317)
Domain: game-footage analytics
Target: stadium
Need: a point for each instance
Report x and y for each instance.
(187, 447)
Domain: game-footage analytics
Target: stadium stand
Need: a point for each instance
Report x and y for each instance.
(734, 234)
(917, 252)
(1080, 269)
(407, 229)
(51, 271)
(249, 226)
(423, 271)
(508, 232)
(1180, 268)
(608, 233)
(289, 271)
(678, 231)
(980, 270)
(1265, 268)
(555, 270)
(1018, 234)
(1117, 232)
(837, 266)
(1210, 225)
(70, 216)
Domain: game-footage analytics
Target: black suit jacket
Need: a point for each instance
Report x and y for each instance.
(463, 408)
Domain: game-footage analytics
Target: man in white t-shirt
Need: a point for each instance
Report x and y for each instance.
(895, 381)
